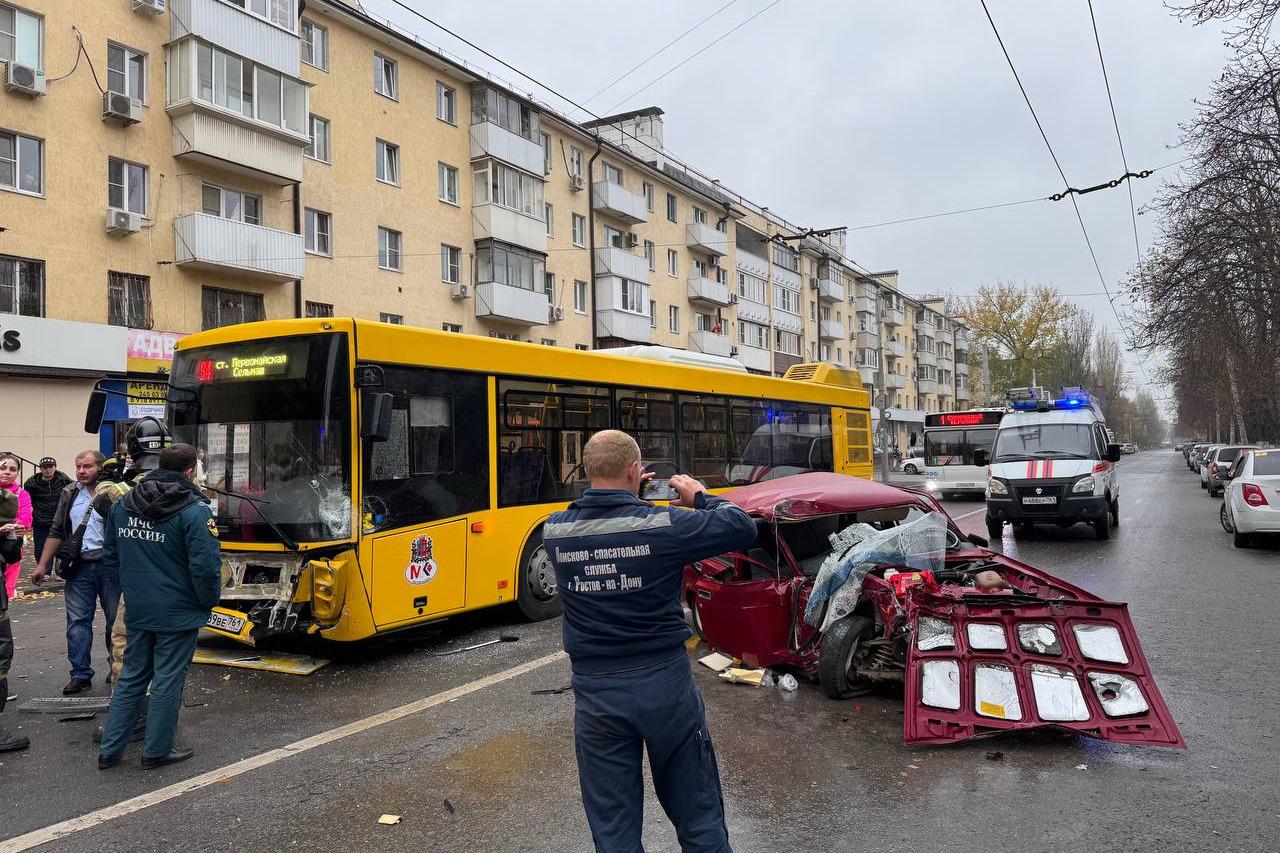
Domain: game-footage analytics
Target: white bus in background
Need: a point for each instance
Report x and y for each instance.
(950, 438)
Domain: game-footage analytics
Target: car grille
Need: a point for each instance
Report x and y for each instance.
(1057, 490)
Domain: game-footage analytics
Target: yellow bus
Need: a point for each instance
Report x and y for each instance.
(368, 477)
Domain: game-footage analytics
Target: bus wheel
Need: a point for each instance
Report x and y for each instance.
(537, 597)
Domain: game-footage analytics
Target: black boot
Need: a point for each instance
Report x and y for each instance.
(10, 742)
(175, 755)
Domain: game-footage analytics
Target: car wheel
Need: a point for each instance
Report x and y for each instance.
(537, 596)
(910, 469)
(695, 620)
(1224, 519)
(1241, 540)
(1115, 512)
(1203, 485)
(1102, 527)
(842, 652)
(1213, 493)
(994, 529)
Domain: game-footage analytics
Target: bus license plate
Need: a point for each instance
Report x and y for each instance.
(1047, 499)
(225, 622)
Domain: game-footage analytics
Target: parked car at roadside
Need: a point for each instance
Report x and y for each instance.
(1193, 461)
(913, 465)
(1128, 447)
(1218, 463)
(1202, 464)
(1252, 502)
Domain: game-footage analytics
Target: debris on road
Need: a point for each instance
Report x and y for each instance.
(282, 662)
(736, 675)
(551, 691)
(995, 755)
(504, 638)
(716, 662)
(390, 819)
(64, 705)
(449, 807)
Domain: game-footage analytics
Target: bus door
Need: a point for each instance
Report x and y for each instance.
(419, 572)
(851, 430)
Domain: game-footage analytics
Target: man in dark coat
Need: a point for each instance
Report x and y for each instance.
(162, 539)
(45, 488)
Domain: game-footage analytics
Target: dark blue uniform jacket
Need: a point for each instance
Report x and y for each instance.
(619, 569)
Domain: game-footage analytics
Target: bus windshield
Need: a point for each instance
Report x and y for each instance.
(1045, 441)
(271, 419)
(955, 446)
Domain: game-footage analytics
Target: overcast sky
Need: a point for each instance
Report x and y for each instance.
(834, 112)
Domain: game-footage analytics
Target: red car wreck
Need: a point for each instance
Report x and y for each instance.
(856, 583)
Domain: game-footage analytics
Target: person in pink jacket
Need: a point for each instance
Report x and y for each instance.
(15, 517)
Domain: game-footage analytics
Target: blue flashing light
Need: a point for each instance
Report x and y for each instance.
(1023, 405)
(1073, 398)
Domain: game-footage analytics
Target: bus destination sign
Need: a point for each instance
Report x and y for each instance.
(963, 419)
(242, 367)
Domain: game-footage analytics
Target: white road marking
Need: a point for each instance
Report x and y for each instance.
(967, 514)
(56, 831)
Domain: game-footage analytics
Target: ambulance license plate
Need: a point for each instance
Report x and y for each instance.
(225, 622)
(1047, 499)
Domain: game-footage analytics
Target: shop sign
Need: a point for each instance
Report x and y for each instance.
(39, 342)
(151, 351)
(146, 399)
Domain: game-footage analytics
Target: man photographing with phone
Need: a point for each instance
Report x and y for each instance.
(619, 568)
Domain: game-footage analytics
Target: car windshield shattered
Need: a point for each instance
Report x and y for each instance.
(271, 420)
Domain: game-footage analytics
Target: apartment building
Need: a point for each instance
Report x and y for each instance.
(167, 167)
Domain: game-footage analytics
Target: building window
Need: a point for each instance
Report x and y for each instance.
(386, 78)
(786, 342)
(318, 147)
(575, 162)
(126, 71)
(319, 309)
(753, 334)
(549, 214)
(319, 232)
(315, 47)
(450, 264)
(673, 263)
(615, 238)
(389, 243)
(673, 318)
(507, 112)
(446, 103)
(126, 186)
(508, 265)
(580, 297)
(648, 196)
(448, 183)
(699, 215)
(785, 258)
(228, 81)
(632, 296)
(579, 230)
(452, 327)
(496, 183)
(581, 347)
(650, 252)
(21, 163)
(752, 288)
(388, 165)
(546, 154)
(813, 311)
(393, 319)
(231, 204)
(21, 37)
(653, 314)
(21, 286)
(549, 286)
(548, 342)
(505, 336)
(612, 174)
(220, 307)
(128, 300)
(785, 299)
(672, 208)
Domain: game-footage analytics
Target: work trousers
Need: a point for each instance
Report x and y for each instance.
(118, 642)
(161, 659)
(91, 584)
(6, 647)
(616, 718)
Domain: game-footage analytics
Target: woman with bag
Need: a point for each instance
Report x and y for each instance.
(15, 520)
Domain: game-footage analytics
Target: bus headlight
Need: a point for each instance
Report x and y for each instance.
(997, 487)
(931, 485)
(1082, 486)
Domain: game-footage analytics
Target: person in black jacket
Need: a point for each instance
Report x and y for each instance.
(619, 564)
(161, 539)
(45, 488)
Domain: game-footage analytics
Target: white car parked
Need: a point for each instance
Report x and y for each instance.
(1252, 502)
(913, 464)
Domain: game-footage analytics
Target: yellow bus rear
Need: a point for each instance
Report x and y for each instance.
(367, 477)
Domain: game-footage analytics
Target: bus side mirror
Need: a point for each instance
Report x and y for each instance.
(94, 411)
(1113, 453)
(980, 458)
(376, 408)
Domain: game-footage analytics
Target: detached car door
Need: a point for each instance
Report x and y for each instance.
(746, 607)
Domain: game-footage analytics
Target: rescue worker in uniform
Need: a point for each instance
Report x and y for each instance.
(619, 564)
(162, 539)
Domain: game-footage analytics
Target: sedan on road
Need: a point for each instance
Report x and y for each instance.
(1201, 465)
(913, 464)
(1217, 463)
(1252, 502)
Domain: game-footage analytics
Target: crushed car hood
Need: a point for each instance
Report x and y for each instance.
(819, 493)
(983, 664)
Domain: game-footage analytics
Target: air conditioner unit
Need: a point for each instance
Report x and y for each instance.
(733, 350)
(577, 183)
(714, 261)
(813, 283)
(460, 291)
(121, 108)
(122, 221)
(554, 314)
(733, 299)
(24, 79)
(633, 240)
(155, 7)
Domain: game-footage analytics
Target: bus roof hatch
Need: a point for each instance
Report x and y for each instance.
(825, 374)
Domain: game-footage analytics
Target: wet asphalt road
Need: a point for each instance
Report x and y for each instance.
(801, 772)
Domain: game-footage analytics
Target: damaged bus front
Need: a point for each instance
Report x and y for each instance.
(272, 420)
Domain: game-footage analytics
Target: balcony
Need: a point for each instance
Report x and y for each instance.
(897, 349)
(962, 368)
(866, 305)
(490, 140)
(894, 317)
(754, 358)
(495, 301)
(962, 392)
(870, 376)
(508, 226)
(830, 290)
(238, 31)
(927, 386)
(621, 263)
(622, 325)
(708, 291)
(709, 343)
(944, 361)
(895, 380)
(213, 243)
(925, 357)
(704, 238)
(212, 136)
(962, 340)
(867, 340)
(831, 330)
(618, 202)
